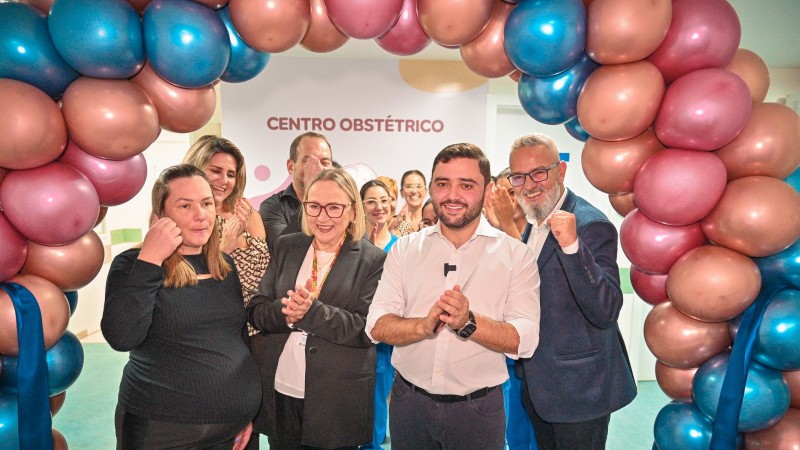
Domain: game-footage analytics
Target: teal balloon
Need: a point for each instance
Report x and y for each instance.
(545, 37)
(777, 343)
(766, 394)
(576, 130)
(64, 365)
(72, 299)
(9, 421)
(26, 52)
(245, 62)
(187, 43)
(680, 425)
(98, 39)
(781, 269)
(554, 100)
(794, 179)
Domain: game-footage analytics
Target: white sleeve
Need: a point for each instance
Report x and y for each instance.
(389, 297)
(522, 309)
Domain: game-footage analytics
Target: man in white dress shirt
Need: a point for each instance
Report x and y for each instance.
(455, 299)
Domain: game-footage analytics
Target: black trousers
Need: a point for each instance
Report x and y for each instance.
(289, 426)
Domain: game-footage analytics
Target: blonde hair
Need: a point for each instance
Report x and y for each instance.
(179, 272)
(391, 184)
(200, 154)
(348, 185)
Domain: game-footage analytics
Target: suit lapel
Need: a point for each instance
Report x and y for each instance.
(342, 269)
(294, 260)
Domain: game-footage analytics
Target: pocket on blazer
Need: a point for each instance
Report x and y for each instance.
(578, 355)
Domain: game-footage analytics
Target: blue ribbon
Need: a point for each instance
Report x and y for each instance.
(726, 420)
(35, 422)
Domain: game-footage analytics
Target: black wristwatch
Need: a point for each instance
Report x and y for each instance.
(468, 328)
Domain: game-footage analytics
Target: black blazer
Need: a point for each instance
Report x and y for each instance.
(340, 358)
(580, 371)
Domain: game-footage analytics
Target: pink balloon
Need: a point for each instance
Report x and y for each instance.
(116, 182)
(622, 203)
(653, 247)
(364, 19)
(181, 110)
(679, 341)
(676, 383)
(271, 26)
(650, 287)
(139, 5)
(452, 23)
(406, 37)
(623, 31)
(620, 101)
(34, 132)
(793, 380)
(486, 54)
(52, 304)
(611, 166)
(111, 119)
(13, 249)
(768, 145)
(52, 204)
(754, 72)
(702, 34)
(71, 266)
(758, 216)
(703, 110)
(213, 4)
(322, 36)
(679, 187)
(784, 435)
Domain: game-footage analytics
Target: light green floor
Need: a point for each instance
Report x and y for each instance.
(87, 418)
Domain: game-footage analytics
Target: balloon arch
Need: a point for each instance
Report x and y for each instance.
(671, 110)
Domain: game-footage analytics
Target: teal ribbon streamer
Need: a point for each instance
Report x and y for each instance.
(35, 422)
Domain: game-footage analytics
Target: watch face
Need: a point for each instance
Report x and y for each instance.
(467, 330)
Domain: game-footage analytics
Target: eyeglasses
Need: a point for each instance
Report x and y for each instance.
(410, 187)
(537, 176)
(372, 204)
(333, 210)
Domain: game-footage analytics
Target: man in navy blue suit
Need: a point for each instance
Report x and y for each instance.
(580, 373)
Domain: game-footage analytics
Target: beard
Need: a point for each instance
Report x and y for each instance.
(539, 211)
(470, 213)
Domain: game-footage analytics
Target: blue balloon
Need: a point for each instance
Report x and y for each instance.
(794, 179)
(187, 43)
(680, 425)
(777, 343)
(545, 37)
(9, 421)
(554, 100)
(766, 394)
(72, 299)
(98, 39)
(26, 52)
(64, 365)
(245, 62)
(781, 269)
(576, 130)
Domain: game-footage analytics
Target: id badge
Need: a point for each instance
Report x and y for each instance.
(303, 338)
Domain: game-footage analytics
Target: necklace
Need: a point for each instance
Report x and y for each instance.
(316, 286)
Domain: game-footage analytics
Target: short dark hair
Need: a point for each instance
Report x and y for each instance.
(468, 151)
(296, 143)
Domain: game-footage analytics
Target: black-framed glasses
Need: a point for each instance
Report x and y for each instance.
(333, 210)
(537, 176)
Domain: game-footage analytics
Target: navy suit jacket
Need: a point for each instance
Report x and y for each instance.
(580, 371)
(340, 358)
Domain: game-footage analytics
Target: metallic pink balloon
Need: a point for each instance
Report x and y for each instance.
(213, 4)
(486, 54)
(270, 26)
(363, 19)
(406, 37)
(650, 287)
(52, 204)
(111, 119)
(71, 266)
(52, 304)
(676, 383)
(622, 203)
(768, 145)
(754, 72)
(757, 216)
(116, 182)
(42, 5)
(620, 101)
(679, 341)
(784, 435)
(139, 5)
(793, 380)
(611, 166)
(653, 247)
(679, 187)
(454, 22)
(702, 35)
(181, 110)
(34, 132)
(13, 249)
(703, 110)
(322, 36)
(713, 283)
(623, 31)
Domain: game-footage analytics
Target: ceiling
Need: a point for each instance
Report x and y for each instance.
(770, 28)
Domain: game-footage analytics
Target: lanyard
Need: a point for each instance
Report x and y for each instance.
(316, 288)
